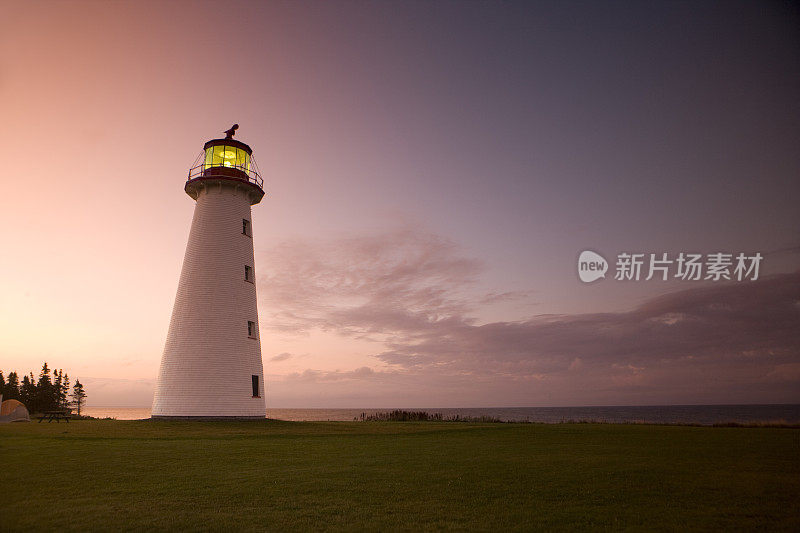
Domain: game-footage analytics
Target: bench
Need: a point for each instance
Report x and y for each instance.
(54, 415)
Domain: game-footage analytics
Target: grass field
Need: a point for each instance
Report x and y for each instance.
(121, 475)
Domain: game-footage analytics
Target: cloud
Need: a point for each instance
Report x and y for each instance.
(401, 281)
(317, 376)
(280, 357)
(732, 340)
(413, 294)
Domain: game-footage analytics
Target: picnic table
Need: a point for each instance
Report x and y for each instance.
(56, 415)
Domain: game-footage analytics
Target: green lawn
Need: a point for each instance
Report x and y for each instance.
(112, 475)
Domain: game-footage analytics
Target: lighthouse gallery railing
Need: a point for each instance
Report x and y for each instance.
(206, 171)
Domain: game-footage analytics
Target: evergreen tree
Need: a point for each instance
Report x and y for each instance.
(64, 393)
(11, 389)
(45, 394)
(78, 396)
(28, 395)
(44, 390)
(56, 389)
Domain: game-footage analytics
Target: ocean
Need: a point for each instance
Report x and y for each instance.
(653, 414)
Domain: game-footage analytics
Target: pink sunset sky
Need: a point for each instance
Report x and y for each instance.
(433, 170)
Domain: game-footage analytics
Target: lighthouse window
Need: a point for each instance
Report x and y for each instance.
(242, 159)
(226, 156)
(255, 387)
(248, 273)
(251, 329)
(246, 227)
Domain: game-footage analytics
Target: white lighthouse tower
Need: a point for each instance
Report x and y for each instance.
(211, 367)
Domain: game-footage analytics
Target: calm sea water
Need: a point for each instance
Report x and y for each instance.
(657, 414)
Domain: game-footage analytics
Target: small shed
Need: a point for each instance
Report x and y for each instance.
(14, 411)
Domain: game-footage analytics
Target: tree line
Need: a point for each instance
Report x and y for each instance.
(47, 393)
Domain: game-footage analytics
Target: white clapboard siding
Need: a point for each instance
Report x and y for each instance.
(209, 359)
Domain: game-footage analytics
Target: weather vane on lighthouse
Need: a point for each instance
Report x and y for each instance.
(211, 366)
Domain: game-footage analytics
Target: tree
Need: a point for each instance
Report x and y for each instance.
(11, 389)
(27, 394)
(45, 394)
(44, 390)
(78, 396)
(56, 389)
(64, 393)
(60, 389)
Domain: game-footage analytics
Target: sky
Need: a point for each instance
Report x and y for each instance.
(433, 171)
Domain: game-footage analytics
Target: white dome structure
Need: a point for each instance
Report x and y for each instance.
(211, 366)
(13, 411)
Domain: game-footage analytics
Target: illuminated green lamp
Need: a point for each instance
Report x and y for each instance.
(227, 153)
(225, 160)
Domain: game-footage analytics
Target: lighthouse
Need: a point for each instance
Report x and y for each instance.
(211, 366)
